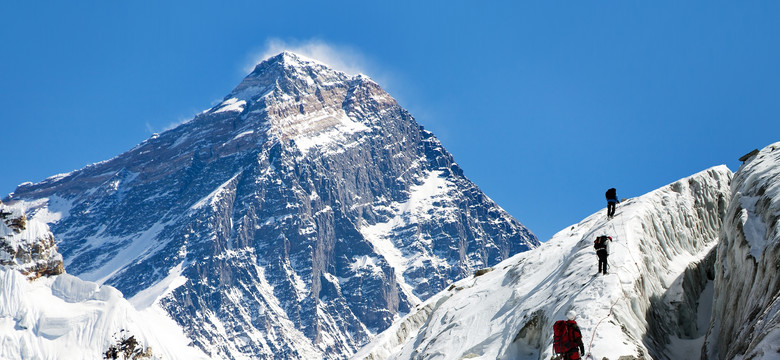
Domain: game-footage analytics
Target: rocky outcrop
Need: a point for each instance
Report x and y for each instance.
(746, 314)
(27, 247)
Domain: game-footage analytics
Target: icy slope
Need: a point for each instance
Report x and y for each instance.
(63, 317)
(507, 313)
(746, 316)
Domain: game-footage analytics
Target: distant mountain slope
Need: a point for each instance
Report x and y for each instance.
(746, 316)
(296, 219)
(646, 307)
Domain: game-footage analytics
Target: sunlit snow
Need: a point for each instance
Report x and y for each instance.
(508, 313)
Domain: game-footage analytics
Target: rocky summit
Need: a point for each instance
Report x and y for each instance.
(294, 220)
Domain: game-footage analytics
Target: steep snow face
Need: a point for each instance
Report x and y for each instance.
(746, 318)
(63, 317)
(508, 312)
(296, 219)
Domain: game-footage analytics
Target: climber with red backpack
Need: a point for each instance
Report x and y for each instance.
(567, 338)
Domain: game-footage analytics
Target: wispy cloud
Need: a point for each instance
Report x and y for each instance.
(181, 120)
(338, 57)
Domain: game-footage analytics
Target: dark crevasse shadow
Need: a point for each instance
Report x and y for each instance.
(677, 321)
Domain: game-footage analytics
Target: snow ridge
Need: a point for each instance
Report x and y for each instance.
(747, 326)
(507, 313)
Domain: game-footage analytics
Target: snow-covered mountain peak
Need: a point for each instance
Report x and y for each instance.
(291, 59)
(295, 219)
(288, 97)
(288, 73)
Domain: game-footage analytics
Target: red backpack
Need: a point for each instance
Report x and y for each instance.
(563, 337)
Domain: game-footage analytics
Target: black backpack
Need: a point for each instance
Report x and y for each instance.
(600, 243)
(611, 193)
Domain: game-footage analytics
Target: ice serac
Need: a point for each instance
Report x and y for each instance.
(647, 307)
(746, 313)
(295, 219)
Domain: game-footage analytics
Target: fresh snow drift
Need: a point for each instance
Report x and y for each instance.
(661, 243)
(746, 316)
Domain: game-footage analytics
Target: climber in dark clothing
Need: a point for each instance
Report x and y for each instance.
(601, 251)
(612, 200)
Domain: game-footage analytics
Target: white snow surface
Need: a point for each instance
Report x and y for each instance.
(64, 317)
(34, 230)
(419, 207)
(149, 296)
(746, 310)
(318, 129)
(508, 312)
(232, 104)
(30, 249)
(761, 181)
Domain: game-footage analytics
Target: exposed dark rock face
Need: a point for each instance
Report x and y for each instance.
(300, 216)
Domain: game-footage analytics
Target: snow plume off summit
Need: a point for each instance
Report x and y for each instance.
(296, 219)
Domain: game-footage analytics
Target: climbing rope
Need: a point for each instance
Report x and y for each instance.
(593, 335)
(622, 289)
(627, 248)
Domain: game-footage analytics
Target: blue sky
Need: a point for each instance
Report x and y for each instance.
(543, 104)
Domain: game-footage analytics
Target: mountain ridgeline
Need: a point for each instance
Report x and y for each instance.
(693, 274)
(295, 219)
(649, 298)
